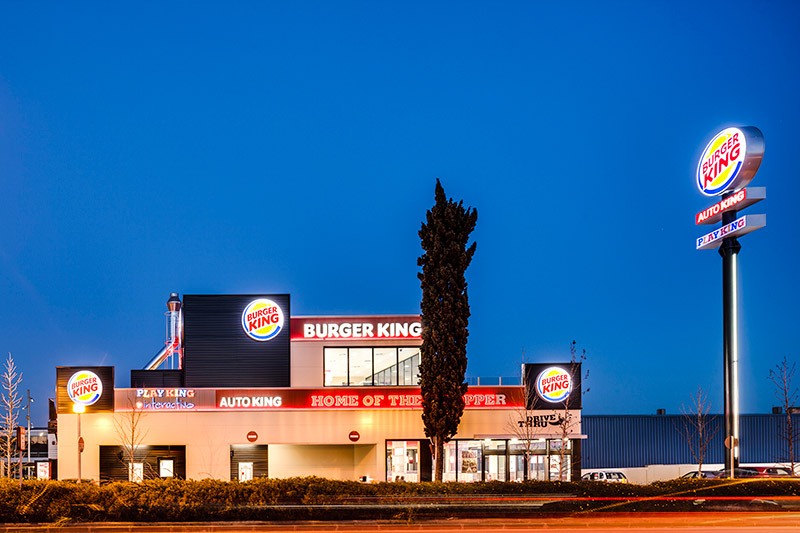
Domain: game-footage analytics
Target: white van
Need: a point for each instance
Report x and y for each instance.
(609, 476)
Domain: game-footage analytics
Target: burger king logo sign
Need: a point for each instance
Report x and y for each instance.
(730, 160)
(262, 319)
(84, 387)
(554, 384)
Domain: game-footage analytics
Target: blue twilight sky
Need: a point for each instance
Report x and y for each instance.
(293, 147)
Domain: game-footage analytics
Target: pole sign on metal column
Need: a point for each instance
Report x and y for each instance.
(727, 165)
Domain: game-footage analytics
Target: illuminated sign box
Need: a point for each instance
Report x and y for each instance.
(164, 399)
(91, 386)
(738, 201)
(730, 160)
(741, 226)
(552, 385)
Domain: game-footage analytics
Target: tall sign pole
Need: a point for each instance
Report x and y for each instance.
(28, 418)
(726, 166)
(730, 349)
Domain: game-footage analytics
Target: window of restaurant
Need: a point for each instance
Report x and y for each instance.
(402, 460)
(370, 367)
(485, 460)
(469, 460)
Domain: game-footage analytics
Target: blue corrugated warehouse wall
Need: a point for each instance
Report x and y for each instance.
(627, 441)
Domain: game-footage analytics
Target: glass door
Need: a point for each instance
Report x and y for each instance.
(495, 461)
(402, 460)
(516, 468)
(556, 466)
(536, 468)
(494, 467)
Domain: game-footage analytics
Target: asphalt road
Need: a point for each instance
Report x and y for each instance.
(740, 522)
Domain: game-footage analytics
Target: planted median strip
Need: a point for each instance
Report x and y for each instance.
(322, 499)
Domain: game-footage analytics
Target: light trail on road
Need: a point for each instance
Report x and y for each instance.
(699, 522)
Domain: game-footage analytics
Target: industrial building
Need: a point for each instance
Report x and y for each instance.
(650, 448)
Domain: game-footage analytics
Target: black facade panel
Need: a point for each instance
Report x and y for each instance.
(219, 353)
(104, 404)
(156, 378)
(258, 454)
(114, 466)
(576, 459)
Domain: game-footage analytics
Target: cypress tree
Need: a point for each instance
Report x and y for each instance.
(445, 316)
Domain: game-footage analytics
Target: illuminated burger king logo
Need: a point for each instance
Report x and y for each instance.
(554, 384)
(730, 160)
(262, 319)
(84, 387)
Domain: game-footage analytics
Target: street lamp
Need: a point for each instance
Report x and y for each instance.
(28, 417)
(79, 408)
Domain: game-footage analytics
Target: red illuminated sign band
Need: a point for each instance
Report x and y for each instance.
(363, 398)
(381, 398)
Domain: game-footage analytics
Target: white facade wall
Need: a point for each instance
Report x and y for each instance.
(301, 442)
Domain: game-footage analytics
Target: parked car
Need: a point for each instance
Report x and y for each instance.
(610, 476)
(694, 474)
(771, 471)
(737, 473)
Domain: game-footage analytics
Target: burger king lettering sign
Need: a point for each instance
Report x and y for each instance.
(730, 160)
(262, 319)
(554, 384)
(84, 387)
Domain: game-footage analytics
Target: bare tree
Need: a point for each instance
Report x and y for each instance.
(10, 403)
(787, 395)
(128, 426)
(566, 419)
(526, 424)
(698, 427)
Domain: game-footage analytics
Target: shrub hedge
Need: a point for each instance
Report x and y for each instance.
(307, 498)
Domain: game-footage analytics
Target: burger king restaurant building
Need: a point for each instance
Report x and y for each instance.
(242, 389)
